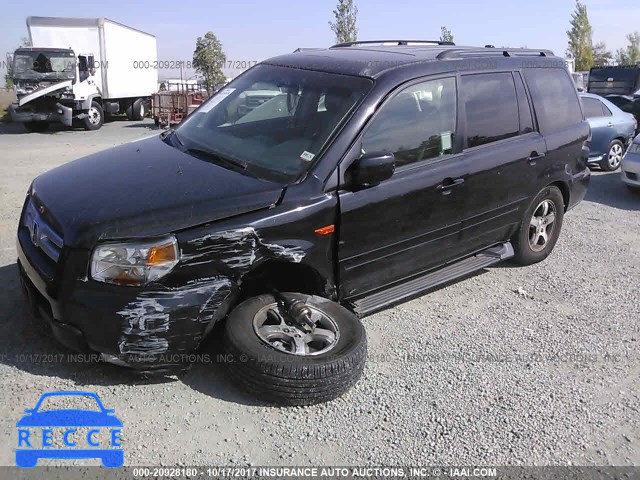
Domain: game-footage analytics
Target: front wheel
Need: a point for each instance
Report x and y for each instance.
(284, 363)
(540, 227)
(94, 118)
(613, 158)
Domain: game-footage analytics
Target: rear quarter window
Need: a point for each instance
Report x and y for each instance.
(555, 99)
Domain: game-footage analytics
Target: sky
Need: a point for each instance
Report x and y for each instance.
(252, 31)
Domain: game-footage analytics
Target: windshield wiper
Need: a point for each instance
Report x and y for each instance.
(229, 161)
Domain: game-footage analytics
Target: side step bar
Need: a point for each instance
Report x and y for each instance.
(395, 294)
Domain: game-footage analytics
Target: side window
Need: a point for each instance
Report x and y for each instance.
(491, 107)
(592, 107)
(607, 112)
(417, 124)
(555, 99)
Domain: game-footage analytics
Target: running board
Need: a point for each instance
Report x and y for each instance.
(417, 285)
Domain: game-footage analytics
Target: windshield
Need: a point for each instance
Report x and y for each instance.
(274, 121)
(44, 65)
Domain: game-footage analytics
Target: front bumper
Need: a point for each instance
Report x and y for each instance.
(60, 114)
(631, 169)
(148, 329)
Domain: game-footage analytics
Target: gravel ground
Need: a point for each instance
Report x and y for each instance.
(514, 366)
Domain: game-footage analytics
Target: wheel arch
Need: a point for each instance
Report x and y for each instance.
(565, 190)
(284, 276)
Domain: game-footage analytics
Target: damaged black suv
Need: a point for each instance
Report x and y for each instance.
(316, 188)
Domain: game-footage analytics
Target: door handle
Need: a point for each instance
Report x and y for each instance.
(610, 125)
(447, 184)
(533, 157)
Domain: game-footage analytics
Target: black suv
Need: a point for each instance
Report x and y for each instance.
(376, 171)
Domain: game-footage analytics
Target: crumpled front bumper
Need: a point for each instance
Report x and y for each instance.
(150, 329)
(24, 114)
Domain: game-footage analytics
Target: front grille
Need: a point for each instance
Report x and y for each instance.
(632, 176)
(41, 233)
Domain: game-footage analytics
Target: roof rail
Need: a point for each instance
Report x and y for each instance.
(397, 42)
(490, 51)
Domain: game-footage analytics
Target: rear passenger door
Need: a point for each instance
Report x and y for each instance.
(504, 153)
(410, 222)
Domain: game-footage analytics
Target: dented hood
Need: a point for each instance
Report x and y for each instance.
(143, 189)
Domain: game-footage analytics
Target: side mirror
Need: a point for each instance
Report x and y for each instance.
(371, 169)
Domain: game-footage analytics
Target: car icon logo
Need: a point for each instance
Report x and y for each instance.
(36, 431)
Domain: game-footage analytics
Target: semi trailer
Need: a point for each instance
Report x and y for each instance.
(79, 69)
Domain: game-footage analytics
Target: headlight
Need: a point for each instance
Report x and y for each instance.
(634, 148)
(134, 263)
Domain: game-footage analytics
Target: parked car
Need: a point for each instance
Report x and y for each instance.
(631, 166)
(394, 168)
(611, 131)
(620, 85)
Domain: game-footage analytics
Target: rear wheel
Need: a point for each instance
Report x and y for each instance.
(94, 118)
(540, 227)
(282, 362)
(613, 158)
(36, 127)
(137, 110)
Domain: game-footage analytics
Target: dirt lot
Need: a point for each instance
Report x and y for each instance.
(535, 365)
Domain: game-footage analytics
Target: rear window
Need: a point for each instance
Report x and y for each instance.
(592, 107)
(555, 99)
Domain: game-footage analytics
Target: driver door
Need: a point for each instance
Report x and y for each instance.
(411, 222)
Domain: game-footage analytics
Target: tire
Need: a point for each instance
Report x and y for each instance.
(36, 127)
(137, 110)
(94, 118)
(282, 378)
(613, 158)
(530, 244)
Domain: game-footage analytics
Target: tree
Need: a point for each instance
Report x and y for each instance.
(446, 35)
(580, 38)
(630, 55)
(601, 56)
(345, 29)
(8, 77)
(209, 60)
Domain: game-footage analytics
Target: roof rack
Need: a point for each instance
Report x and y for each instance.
(491, 51)
(397, 43)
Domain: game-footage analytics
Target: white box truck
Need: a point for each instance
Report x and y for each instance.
(78, 69)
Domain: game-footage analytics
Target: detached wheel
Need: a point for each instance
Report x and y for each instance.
(540, 227)
(36, 127)
(94, 118)
(281, 362)
(613, 159)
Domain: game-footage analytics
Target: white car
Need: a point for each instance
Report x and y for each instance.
(631, 166)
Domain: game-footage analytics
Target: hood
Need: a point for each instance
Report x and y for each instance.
(142, 189)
